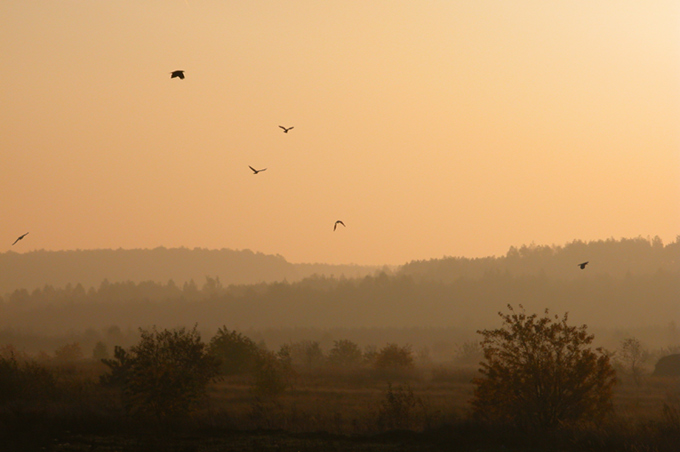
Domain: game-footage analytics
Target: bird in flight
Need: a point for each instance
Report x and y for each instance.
(583, 265)
(21, 237)
(255, 171)
(179, 74)
(337, 223)
(285, 130)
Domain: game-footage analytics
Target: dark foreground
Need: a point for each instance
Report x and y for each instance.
(263, 441)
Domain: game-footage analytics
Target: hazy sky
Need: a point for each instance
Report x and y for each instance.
(430, 128)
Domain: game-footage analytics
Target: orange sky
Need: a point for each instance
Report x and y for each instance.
(430, 128)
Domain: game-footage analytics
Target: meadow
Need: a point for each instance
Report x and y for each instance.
(62, 406)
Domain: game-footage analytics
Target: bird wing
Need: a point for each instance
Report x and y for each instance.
(283, 127)
(252, 168)
(263, 169)
(21, 237)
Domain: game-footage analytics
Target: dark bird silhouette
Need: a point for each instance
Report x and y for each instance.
(255, 171)
(337, 223)
(583, 265)
(285, 130)
(179, 74)
(19, 238)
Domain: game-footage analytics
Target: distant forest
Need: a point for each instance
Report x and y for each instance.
(628, 283)
(90, 267)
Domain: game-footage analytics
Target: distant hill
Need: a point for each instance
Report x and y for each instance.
(90, 267)
(614, 258)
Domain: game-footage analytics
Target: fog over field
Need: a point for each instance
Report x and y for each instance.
(627, 285)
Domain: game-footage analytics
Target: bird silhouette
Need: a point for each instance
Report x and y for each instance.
(285, 130)
(337, 223)
(255, 171)
(179, 74)
(583, 265)
(21, 237)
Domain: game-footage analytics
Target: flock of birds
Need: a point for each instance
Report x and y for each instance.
(180, 74)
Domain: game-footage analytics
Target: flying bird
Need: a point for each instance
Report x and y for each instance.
(21, 237)
(255, 171)
(285, 130)
(179, 74)
(583, 265)
(337, 223)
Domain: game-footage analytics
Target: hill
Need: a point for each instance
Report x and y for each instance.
(90, 267)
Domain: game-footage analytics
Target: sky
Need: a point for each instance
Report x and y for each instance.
(430, 128)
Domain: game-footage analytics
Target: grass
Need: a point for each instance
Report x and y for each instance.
(325, 410)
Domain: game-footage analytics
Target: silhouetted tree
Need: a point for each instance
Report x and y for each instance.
(165, 374)
(306, 353)
(24, 380)
(68, 353)
(345, 353)
(394, 357)
(100, 351)
(238, 354)
(633, 357)
(539, 372)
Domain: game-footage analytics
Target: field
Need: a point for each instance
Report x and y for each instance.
(422, 409)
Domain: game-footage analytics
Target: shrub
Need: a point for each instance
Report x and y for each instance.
(237, 353)
(68, 353)
(539, 373)
(24, 380)
(633, 357)
(394, 357)
(100, 351)
(345, 353)
(271, 376)
(165, 374)
(305, 354)
(397, 409)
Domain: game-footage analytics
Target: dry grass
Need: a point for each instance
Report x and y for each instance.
(646, 417)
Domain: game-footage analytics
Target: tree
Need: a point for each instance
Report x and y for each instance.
(165, 374)
(345, 353)
(68, 353)
(394, 357)
(306, 354)
(540, 372)
(633, 357)
(100, 351)
(238, 354)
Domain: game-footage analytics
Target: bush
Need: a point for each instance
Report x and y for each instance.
(24, 380)
(394, 357)
(165, 375)
(397, 409)
(68, 353)
(100, 351)
(237, 353)
(304, 354)
(540, 373)
(345, 353)
(272, 376)
(633, 357)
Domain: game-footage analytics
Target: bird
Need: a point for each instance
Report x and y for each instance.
(179, 74)
(21, 237)
(285, 130)
(337, 223)
(583, 264)
(255, 171)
